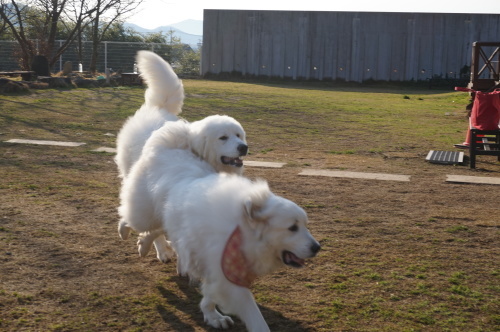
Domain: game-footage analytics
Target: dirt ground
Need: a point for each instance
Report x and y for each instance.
(415, 256)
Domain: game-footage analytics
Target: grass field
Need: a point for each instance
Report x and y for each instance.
(397, 256)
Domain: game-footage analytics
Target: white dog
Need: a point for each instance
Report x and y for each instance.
(225, 229)
(218, 139)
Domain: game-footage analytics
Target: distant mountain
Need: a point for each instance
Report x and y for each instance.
(190, 31)
(135, 27)
(193, 27)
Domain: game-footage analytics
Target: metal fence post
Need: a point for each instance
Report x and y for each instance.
(200, 49)
(105, 55)
(60, 57)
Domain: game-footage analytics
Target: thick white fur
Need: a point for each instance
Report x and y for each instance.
(165, 160)
(215, 139)
(199, 209)
(164, 98)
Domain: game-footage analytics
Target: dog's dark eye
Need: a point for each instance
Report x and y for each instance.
(293, 228)
(223, 138)
(238, 135)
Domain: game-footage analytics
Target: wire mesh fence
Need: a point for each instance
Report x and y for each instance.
(7, 59)
(114, 55)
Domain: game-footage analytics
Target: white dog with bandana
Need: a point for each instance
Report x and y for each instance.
(225, 229)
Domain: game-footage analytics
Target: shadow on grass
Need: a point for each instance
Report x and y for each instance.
(370, 86)
(66, 111)
(190, 306)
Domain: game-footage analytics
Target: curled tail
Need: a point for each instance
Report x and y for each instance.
(165, 89)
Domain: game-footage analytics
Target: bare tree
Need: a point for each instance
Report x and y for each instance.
(107, 12)
(13, 15)
(4, 28)
(35, 25)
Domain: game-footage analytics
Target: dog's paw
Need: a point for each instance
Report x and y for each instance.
(144, 246)
(164, 258)
(164, 251)
(218, 321)
(124, 231)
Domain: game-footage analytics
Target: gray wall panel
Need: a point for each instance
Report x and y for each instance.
(351, 46)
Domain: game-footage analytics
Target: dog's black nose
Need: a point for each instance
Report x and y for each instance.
(315, 248)
(243, 149)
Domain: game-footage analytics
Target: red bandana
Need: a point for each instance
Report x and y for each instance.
(234, 264)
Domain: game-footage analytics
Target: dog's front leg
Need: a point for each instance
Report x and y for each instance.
(212, 317)
(240, 301)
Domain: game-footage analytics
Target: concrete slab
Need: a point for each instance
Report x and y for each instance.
(105, 149)
(41, 142)
(263, 164)
(472, 179)
(356, 175)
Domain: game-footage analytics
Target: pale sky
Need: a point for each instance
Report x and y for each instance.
(155, 13)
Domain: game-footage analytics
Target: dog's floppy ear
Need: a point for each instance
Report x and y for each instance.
(255, 205)
(199, 146)
(253, 213)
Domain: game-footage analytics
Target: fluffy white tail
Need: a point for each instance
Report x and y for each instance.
(165, 89)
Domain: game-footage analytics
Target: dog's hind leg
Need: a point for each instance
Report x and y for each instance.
(212, 317)
(146, 240)
(124, 230)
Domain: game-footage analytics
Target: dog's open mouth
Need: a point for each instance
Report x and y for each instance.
(236, 162)
(289, 258)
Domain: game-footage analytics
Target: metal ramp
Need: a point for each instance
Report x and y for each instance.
(445, 157)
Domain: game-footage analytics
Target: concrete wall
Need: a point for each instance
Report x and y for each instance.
(352, 46)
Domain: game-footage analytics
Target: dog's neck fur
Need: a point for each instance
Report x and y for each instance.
(243, 260)
(258, 254)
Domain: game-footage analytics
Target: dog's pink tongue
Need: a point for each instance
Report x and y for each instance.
(291, 259)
